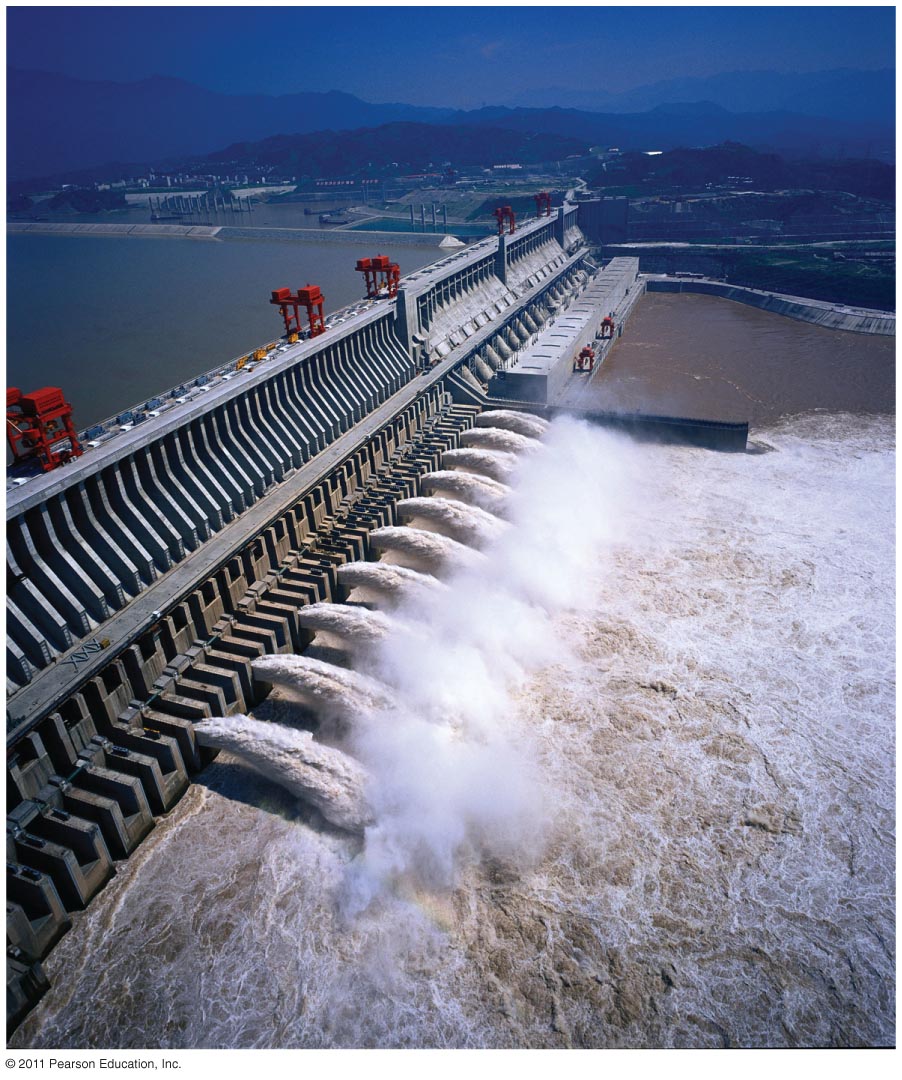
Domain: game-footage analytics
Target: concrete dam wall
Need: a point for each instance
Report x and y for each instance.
(84, 542)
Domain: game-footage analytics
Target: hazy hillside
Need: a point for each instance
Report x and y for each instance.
(695, 124)
(844, 94)
(58, 124)
(409, 146)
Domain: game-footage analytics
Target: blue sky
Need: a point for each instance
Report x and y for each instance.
(454, 55)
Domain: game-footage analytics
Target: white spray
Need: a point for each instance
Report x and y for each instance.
(452, 774)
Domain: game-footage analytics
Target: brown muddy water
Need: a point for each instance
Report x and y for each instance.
(705, 357)
(637, 791)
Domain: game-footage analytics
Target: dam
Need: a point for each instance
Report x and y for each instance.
(146, 575)
(154, 579)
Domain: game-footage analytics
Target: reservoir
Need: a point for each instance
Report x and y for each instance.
(114, 321)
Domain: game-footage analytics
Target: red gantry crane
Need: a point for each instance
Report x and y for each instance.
(502, 214)
(39, 427)
(381, 275)
(309, 298)
(543, 204)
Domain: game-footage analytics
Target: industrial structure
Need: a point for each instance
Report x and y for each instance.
(146, 575)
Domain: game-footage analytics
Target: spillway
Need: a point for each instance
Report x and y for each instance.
(161, 583)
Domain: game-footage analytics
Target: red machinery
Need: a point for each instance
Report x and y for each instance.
(543, 204)
(585, 362)
(310, 298)
(607, 327)
(39, 426)
(372, 269)
(502, 213)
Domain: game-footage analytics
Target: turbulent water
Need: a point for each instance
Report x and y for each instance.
(655, 809)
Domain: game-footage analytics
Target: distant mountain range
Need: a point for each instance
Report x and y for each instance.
(411, 146)
(843, 93)
(58, 124)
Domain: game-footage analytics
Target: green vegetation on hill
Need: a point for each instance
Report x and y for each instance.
(730, 163)
(840, 282)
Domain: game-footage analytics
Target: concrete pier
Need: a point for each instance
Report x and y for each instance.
(543, 369)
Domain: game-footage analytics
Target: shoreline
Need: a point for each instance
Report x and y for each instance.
(224, 232)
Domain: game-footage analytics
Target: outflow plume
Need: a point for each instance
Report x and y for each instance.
(466, 524)
(481, 491)
(427, 550)
(522, 423)
(358, 624)
(333, 692)
(496, 438)
(495, 464)
(332, 781)
(389, 581)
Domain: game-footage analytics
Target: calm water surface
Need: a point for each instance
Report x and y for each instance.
(131, 317)
(702, 356)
